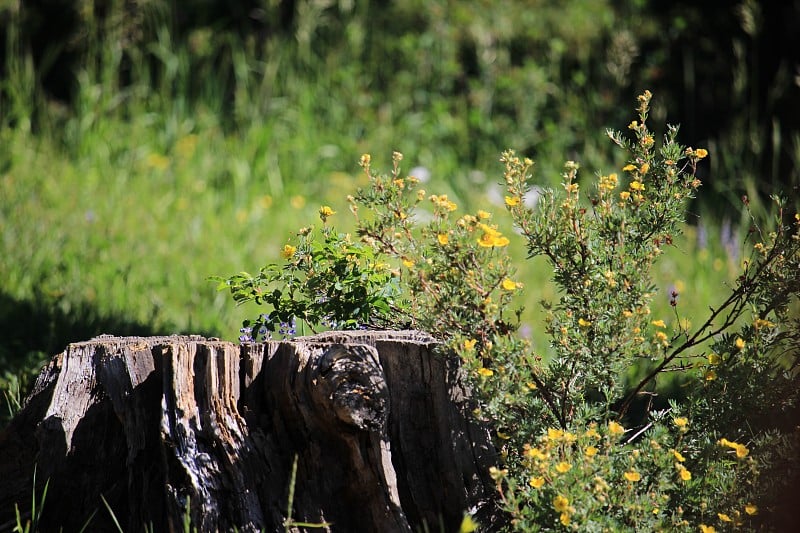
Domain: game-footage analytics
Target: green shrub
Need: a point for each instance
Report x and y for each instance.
(703, 460)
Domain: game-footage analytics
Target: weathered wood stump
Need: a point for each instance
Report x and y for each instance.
(159, 427)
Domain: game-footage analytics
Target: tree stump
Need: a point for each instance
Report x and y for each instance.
(150, 431)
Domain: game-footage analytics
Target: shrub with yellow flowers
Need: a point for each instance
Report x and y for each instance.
(579, 449)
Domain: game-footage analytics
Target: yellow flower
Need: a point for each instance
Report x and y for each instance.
(681, 421)
(684, 473)
(554, 434)
(365, 159)
(637, 186)
(509, 285)
(483, 215)
(491, 237)
(532, 386)
(560, 503)
(288, 251)
(628, 167)
(592, 433)
(564, 519)
(624, 195)
(563, 467)
(485, 372)
(761, 323)
(751, 509)
(724, 517)
(536, 482)
(707, 529)
(678, 456)
(615, 429)
(408, 263)
(590, 451)
(468, 525)
(325, 211)
(714, 359)
(742, 451)
(469, 344)
(644, 168)
(442, 238)
(633, 125)
(710, 375)
(739, 343)
(660, 336)
(659, 323)
(535, 453)
(701, 153)
(584, 323)
(632, 476)
(511, 201)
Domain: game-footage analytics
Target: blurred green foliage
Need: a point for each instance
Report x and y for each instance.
(147, 144)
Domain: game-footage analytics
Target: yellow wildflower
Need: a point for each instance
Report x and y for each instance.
(707, 529)
(661, 337)
(511, 201)
(554, 434)
(571, 187)
(659, 323)
(592, 432)
(751, 509)
(483, 215)
(535, 453)
(509, 285)
(714, 359)
(584, 323)
(615, 428)
(288, 251)
(485, 372)
(681, 421)
(644, 168)
(739, 343)
(710, 375)
(491, 237)
(560, 503)
(365, 159)
(633, 476)
(564, 519)
(637, 186)
(761, 323)
(724, 517)
(536, 482)
(325, 211)
(633, 125)
(443, 238)
(701, 153)
(408, 263)
(532, 386)
(678, 456)
(590, 451)
(628, 167)
(684, 474)
(469, 344)
(563, 467)
(741, 450)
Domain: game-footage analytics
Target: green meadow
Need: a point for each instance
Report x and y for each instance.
(184, 153)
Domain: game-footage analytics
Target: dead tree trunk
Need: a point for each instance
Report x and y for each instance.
(160, 428)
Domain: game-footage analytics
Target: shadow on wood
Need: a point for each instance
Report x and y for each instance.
(162, 426)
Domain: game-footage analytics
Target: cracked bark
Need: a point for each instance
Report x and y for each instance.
(162, 426)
